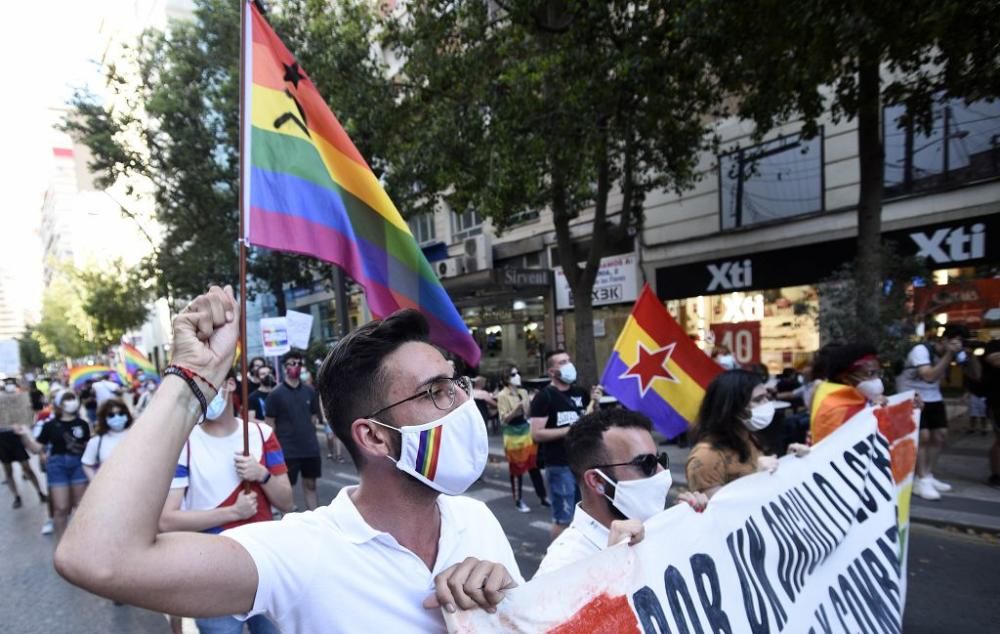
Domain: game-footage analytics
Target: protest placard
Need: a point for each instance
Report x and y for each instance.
(812, 547)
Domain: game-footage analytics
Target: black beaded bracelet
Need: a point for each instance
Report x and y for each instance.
(198, 394)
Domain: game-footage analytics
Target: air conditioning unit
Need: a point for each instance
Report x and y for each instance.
(448, 268)
(478, 253)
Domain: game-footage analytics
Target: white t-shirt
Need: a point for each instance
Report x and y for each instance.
(910, 379)
(99, 448)
(329, 571)
(104, 390)
(207, 472)
(583, 538)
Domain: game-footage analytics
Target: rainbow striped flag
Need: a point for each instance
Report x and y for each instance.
(522, 452)
(428, 452)
(80, 374)
(308, 190)
(136, 361)
(656, 369)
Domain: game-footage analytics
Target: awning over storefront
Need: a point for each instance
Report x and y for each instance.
(497, 283)
(961, 243)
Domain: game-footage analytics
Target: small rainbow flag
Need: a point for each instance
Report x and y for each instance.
(79, 375)
(308, 190)
(428, 452)
(833, 405)
(136, 361)
(656, 369)
(522, 452)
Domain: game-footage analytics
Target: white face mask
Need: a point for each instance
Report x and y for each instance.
(640, 499)
(117, 422)
(872, 388)
(760, 416)
(216, 408)
(10, 388)
(447, 454)
(567, 373)
(71, 406)
(515, 380)
(727, 361)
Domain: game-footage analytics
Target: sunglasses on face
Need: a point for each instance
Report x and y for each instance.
(294, 364)
(116, 412)
(646, 463)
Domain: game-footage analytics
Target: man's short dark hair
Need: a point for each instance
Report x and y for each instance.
(585, 440)
(552, 353)
(292, 354)
(953, 331)
(352, 380)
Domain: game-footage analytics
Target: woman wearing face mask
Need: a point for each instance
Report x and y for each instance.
(522, 453)
(735, 408)
(64, 436)
(857, 365)
(113, 418)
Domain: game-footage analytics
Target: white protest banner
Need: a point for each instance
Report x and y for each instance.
(274, 336)
(810, 548)
(299, 328)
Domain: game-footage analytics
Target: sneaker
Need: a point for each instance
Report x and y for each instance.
(922, 487)
(943, 487)
(522, 507)
(545, 502)
(17, 502)
(48, 527)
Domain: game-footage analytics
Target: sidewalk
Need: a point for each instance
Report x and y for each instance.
(971, 505)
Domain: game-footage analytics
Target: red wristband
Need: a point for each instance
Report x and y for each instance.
(191, 374)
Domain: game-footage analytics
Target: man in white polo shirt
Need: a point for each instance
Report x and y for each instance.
(623, 482)
(382, 557)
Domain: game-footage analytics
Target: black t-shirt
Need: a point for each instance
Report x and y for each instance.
(256, 402)
(561, 409)
(65, 437)
(292, 409)
(991, 374)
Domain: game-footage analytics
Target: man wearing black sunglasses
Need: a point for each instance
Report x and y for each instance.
(623, 482)
(292, 409)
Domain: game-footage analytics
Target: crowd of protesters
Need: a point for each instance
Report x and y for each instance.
(163, 460)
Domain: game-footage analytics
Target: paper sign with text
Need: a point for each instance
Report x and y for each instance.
(274, 336)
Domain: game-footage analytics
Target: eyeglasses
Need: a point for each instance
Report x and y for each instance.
(646, 463)
(442, 393)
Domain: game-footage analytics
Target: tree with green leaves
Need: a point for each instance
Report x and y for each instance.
(817, 58)
(31, 351)
(567, 106)
(115, 299)
(173, 119)
(64, 329)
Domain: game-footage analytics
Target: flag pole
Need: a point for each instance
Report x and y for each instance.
(244, 405)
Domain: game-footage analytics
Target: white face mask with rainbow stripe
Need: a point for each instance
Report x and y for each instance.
(447, 454)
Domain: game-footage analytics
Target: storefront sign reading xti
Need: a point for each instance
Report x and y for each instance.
(729, 275)
(951, 245)
(617, 283)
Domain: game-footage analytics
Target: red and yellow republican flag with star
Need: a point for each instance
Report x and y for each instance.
(656, 369)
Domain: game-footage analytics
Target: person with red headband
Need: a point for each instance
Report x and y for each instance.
(857, 365)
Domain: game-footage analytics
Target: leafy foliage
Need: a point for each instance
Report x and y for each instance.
(115, 299)
(525, 105)
(63, 330)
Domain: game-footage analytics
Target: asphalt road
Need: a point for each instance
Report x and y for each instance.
(953, 577)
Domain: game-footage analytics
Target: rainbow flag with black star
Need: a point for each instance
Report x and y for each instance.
(308, 190)
(657, 369)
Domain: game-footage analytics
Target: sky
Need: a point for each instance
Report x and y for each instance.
(51, 47)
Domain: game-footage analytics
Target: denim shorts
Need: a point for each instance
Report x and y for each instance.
(563, 493)
(63, 470)
(231, 625)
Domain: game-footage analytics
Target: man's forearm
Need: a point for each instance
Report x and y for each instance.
(197, 520)
(548, 435)
(116, 523)
(279, 493)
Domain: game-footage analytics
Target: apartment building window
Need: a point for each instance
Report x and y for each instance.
(962, 146)
(422, 228)
(778, 179)
(465, 224)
